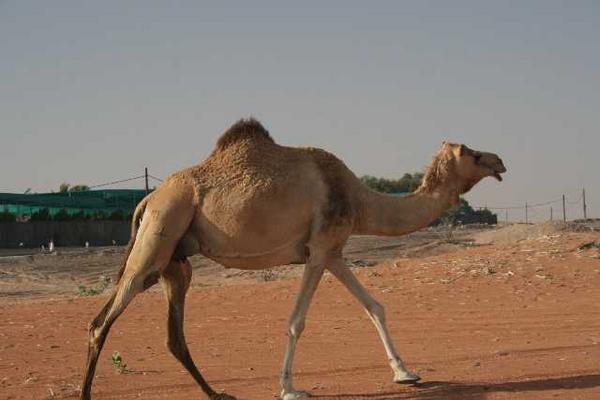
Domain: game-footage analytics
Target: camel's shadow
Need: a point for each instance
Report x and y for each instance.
(475, 391)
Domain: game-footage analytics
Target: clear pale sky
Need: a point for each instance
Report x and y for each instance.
(93, 91)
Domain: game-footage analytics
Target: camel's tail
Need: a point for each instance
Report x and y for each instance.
(135, 224)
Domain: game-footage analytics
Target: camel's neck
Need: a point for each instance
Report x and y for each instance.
(391, 215)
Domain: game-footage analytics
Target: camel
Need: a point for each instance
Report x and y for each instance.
(254, 204)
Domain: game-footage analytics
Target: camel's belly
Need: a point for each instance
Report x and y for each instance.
(250, 249)
(255, 262)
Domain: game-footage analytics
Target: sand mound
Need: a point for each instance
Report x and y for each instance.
(515, 233)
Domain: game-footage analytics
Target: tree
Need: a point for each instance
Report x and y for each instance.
(465, 214)
(79, 188)
(66, 187)
(457, 213)
(408, 183)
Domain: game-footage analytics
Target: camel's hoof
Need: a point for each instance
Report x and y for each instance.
(406, 377)
(222, 396)
(295, 394)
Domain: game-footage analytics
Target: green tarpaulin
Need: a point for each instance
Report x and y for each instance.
(89, 202)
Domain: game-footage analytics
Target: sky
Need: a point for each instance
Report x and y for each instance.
(94, 91)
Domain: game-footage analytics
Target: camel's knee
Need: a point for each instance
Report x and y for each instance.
(131, 283)
(376, 311)
(95, 325)
(96, 338)
(296, 327)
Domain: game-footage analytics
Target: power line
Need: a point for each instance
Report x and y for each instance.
(124, 180)
(576, 201)
(155, 178)
(115, 182)
(545, 203)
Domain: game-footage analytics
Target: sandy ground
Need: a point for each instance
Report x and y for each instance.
(512, 313)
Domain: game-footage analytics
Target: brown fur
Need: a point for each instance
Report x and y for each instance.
(135, 225)
(438, 170)
(244, 129)
(339, 207)
(254, 204)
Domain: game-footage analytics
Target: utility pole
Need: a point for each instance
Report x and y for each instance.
(506, 211)
(526, 214)
(564, 209)
(551, 214)
(584, 207)
(146, 179)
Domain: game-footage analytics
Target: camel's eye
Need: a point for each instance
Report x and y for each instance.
(477, 158)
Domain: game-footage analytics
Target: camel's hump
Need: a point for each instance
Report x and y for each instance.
(244, 129)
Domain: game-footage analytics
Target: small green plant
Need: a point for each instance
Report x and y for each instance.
(95, 290)
(117, 362)
(448, 228)
(589, 245)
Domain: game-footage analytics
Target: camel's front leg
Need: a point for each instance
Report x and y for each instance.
(377, 315)
(312, 275)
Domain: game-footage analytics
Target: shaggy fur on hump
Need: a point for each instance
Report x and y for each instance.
(438, 170)
(243, 129)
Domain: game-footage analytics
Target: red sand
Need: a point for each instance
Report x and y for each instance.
(518, 321)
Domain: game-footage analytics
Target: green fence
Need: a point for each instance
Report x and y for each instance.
(91, 202)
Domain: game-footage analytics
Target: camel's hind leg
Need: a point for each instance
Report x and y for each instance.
(126, 290)
(94, 347)
(176, 281)
(166, 218)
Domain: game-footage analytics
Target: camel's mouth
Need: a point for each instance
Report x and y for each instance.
(497, 171)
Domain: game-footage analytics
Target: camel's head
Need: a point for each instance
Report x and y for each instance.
(461, 168)
(471, 166)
